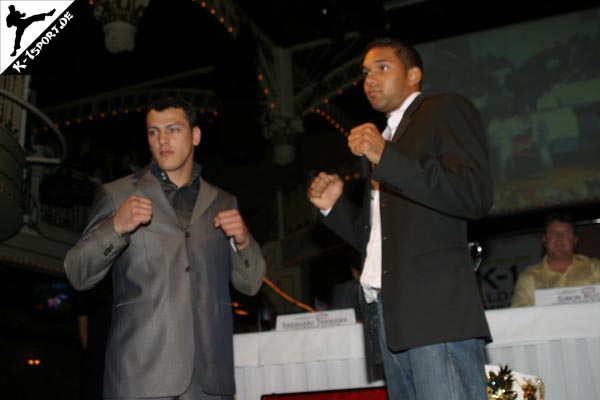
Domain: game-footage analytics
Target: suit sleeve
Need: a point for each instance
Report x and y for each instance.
(94, 254)
(452, 174)
(248, 267)
(344, 220)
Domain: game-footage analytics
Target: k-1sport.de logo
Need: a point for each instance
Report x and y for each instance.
(26, 27)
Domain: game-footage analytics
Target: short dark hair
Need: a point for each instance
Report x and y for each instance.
(558, 217)
(409, 56)
(175, 102)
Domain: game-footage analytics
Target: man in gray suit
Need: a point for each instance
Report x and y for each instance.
(173, 242)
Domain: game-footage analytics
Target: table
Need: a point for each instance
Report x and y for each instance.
(300, 361)
(560, 344)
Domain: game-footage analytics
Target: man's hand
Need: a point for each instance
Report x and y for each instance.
(325, 190)
(134, 212)
(366, 140)
(232, 224)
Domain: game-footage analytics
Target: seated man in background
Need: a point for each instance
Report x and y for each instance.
(560, 267)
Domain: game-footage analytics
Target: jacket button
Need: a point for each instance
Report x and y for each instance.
(108, 250)
(188, 268)
(383, 205)
(187, 234)
(384, 238)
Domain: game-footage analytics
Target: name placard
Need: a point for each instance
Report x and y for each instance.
(319, 319)
(567, 295)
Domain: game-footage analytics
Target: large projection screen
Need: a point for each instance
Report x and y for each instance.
(537, 85)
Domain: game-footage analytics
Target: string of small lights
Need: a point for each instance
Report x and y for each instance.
(330, 119)
(211, 115)
(266, 91)
(228, 25)
(322, 112)
(213, 11)
(327, 116)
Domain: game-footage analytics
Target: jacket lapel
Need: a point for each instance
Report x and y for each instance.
(407, 118)
(150, 188)
(206, 196)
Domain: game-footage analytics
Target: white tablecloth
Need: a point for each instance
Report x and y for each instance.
(299, 361)
(559, 344)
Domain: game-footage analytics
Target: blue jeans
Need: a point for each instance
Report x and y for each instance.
(445, 371)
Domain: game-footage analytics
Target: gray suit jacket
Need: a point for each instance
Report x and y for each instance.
(172, 305)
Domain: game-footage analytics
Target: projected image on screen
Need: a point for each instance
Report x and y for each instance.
(537, 86)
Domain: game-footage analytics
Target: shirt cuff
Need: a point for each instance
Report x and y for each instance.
(233, 246)
(326, 212)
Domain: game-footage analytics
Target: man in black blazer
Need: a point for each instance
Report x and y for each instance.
(430, 174)
(173, 242)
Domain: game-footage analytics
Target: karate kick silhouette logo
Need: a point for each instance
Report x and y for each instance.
(18, 20)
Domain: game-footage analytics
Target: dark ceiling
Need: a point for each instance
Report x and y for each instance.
(178, 36)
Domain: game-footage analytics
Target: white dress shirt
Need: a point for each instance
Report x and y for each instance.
(370, 278)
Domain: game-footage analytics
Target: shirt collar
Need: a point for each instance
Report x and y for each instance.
(163, 177)
(396, 115)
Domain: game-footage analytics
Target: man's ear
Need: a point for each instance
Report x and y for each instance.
(196, 135)
(414, 76)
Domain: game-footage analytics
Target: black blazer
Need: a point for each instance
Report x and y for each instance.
(434, 175)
